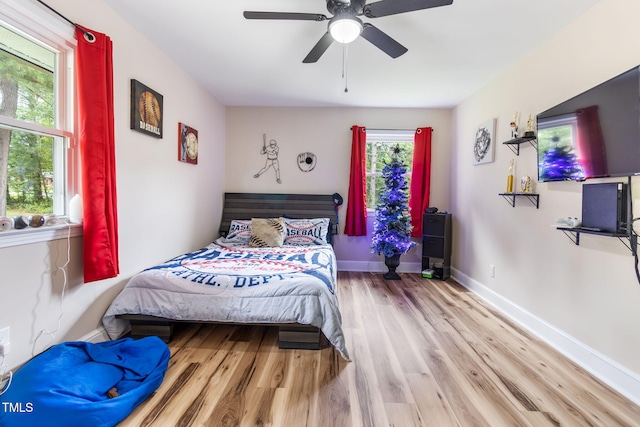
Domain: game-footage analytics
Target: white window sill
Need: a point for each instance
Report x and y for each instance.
(41, 234)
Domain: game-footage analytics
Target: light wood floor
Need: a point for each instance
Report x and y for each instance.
(425, 353)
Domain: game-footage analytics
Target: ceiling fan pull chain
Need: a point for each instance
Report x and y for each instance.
(344, 66)
(344, 54)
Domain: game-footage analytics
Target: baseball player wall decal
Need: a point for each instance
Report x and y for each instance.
(271, 150)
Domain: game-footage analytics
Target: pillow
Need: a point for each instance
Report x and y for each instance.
(239, 231)
(311, 231)
(267, 232)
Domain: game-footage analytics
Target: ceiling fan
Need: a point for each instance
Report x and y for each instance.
(345, 26)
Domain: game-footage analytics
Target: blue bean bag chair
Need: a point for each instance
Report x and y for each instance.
(84, 384)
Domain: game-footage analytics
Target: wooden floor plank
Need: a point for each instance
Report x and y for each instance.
(367, 406)
(435, 408)
(333, 391)
(424, 353)
(301, 391)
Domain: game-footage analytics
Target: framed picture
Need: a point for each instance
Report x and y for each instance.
(187, 144)
(146, 109)
(484, 142)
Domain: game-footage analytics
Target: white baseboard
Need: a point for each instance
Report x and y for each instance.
(609, 371)
(96, 336)
(378, 267)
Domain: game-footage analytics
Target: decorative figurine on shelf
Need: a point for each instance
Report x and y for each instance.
(510, 177)
(525, 184)
(514, 126)
(529, 132)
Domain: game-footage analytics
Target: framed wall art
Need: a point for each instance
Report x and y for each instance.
(187, 144)
(484, 142)
(146, 109)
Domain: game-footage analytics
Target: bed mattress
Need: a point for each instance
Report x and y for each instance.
(234, 283)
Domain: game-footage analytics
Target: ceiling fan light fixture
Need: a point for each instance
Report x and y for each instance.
(345, 28)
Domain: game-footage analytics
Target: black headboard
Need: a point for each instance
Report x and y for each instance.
(266, 205)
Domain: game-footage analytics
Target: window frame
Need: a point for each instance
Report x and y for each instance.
(39, 26)
(387, 136)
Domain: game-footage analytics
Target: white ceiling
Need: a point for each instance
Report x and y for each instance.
(453, 50)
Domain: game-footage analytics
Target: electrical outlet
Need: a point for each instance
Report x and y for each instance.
(492, 270)
(5, 341)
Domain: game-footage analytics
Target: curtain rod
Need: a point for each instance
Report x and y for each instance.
(393, 130)
(90, 37)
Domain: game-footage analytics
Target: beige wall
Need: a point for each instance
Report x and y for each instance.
(165, 207)
(587, 294)
(326, 133)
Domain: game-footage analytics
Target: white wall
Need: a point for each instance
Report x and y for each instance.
(326, 132)
(587, 294)
(165, 207)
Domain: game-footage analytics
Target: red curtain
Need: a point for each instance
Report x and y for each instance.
(593, 155)
(420, 178)
(357, 202)
(94, 69)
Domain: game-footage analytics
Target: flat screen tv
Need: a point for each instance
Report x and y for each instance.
(594, 134)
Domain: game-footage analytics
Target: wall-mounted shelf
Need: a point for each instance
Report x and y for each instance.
(629, 240)
(514, 144)
(511, 198)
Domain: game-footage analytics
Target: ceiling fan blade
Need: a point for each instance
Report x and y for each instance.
(392, 7)
(285, 15)
(382, 41)
(319, 49)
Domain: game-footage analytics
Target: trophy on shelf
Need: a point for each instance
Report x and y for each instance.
(514, 126)
(529, 133)
(525, 184)
(510, 177)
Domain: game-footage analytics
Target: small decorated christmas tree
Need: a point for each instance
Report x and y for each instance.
(560, 163)
(392, 225)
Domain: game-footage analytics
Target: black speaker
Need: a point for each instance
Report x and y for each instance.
(604, 207)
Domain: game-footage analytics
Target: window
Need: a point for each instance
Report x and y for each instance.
(380, 145)
(38, 161)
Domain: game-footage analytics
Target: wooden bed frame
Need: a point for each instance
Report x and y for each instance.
(247, 206)
(268, 205)
(291, 336)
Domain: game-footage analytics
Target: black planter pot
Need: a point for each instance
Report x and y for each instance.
(392, 262)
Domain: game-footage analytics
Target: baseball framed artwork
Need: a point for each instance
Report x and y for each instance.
(146, 109)
(187, 144)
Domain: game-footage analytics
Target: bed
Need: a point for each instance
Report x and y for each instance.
(273, 264)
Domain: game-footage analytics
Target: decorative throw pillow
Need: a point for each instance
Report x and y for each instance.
(239, 231)
(267, 232)
(311, 231)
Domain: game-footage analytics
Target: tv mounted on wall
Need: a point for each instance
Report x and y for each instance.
(594, 134)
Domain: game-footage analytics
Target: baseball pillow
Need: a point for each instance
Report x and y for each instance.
(267, 232)
(239, 231)
(311, 231)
